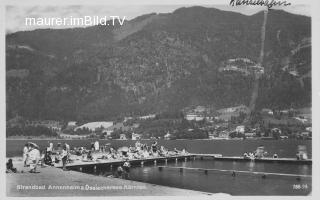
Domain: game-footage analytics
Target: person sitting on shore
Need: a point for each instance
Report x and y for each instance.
(176, 151)
(47, 159)
(50, 148)
(10, 168)
(145, 154)
(275, 155)
(89, 155)
(26, 149)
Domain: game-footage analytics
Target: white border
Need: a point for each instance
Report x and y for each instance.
(315, 5)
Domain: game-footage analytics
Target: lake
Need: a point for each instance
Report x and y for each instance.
(213, 181)
(221, 181)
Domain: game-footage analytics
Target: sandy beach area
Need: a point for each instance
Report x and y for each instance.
(52, 181)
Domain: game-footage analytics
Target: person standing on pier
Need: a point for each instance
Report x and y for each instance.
(154, 146)
(96, 146)
(25, 154)
(64, 157)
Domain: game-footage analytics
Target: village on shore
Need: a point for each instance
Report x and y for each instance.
(198, 122)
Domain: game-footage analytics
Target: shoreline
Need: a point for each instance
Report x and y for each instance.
(52, 181)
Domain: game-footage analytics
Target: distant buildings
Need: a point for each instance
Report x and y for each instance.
(240, 129)
(195, 117)
(267, 111)
(242, 65)
(72, 124)
(151, 116)
(51, 124)
(136, 136)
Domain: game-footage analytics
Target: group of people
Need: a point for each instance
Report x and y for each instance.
(138, 151)
(31, 157)
(63, 154)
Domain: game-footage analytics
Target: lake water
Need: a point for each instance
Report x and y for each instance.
(213, 181)
(221, 182)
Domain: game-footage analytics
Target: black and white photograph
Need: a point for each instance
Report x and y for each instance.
(146, 99)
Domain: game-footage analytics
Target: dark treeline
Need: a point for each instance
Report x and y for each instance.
(30, 131)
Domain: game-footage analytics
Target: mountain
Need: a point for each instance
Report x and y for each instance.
(156, 63)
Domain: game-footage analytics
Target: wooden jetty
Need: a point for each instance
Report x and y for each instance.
(242, 159)
(79, 164)
(235, 172)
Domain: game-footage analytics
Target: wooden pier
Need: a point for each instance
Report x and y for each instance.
(241, 159)
(236, 172)
(79, 165)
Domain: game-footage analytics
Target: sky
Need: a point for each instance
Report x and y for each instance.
(15, 15)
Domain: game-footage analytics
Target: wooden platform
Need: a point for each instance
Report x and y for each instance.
(241, 159)
(79, 164)
(236, 172)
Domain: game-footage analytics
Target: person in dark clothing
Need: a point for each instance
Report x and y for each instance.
(126, 169)
(89, 156)
(119, 172)
(47, 158)
(10, 167)
(154, 147)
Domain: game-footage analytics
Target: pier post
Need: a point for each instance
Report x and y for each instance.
(185, 159)
(155, 162)
(176, 160)
(95, 168)
(166, 160)
(141, 163)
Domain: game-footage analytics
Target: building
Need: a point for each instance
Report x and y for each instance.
(194, 117)
(250, 135)
(267, 111)
(51, 124)
(200, 109)
(72, 124)
(136, 136)
(240, 129)
(151, 116)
